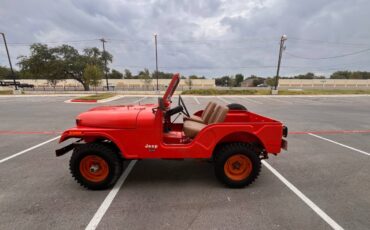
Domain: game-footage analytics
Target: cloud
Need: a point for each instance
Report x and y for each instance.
(205, 37)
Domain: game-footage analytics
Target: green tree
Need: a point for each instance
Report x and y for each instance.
(258, 81)
(223, 81)
(193, 77)
(92, 75)
(341, 75)
(270, 81)
(144, 75)
(42, 64)
(115, 74)
(62, 62)
(4, 72)
(128, 74)
(162, 75)
(189, 82)
(239, 78)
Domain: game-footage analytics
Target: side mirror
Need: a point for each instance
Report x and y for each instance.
(161, 105)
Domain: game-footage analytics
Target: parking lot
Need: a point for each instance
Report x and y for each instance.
(321, 182)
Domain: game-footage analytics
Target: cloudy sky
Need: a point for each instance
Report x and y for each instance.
(204, 37)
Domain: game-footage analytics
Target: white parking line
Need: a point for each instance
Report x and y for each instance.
(138, 100)
(94, 222)
(308, 100)
(280, 100)
(196, 100)
(27, 150)
(224, 100)
(345, 146)
(251, 100)
(304, 198)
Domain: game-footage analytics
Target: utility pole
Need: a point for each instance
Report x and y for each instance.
(156, 59)
(282, 40)
(10, 62)
(105, 62)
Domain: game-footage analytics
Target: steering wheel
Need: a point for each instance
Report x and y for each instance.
(182, 104)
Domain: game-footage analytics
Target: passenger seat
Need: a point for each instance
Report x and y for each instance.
(206, 115)
(192, 128)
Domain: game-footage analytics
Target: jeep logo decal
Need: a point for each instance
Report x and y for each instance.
(151, 148)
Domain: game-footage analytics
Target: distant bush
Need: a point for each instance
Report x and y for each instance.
(281, 92)
(225, 92)
(6, 92)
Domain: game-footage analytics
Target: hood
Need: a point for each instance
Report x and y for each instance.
(115, 117)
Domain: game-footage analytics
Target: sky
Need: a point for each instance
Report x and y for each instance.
(210, 38)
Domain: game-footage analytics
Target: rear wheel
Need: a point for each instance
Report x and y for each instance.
(95, 166)
(236, 106)
(237, 165)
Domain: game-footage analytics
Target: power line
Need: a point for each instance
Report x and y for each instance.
(329, 42)
(330, 57)
(50, 42)
(211, 67)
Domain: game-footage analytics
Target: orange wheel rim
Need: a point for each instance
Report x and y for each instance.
(238, 167)
(94, 168)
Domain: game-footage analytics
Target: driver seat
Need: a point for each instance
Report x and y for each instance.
(192, 128)
(206, 115)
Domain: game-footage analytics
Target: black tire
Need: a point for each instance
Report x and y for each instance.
(222, 155)
(103, 152)
(236, 106)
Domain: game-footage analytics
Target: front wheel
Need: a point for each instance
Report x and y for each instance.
(237, 165)
(95, 166)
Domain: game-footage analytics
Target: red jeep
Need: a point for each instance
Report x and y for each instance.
(230, 136)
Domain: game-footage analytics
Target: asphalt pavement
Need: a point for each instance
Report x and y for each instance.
(326, 162)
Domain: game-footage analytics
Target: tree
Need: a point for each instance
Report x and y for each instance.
(62, 62)
(43, 64)
(144, 75)
(128, 74)
(308, 75)
(341, 75)
(350, 75)
(92, 75)
(115, 74)
(254, 80)
(258, 81)
(189, 82)
(270, 81)
(4, 72)
(239, 78)
(162, 75)
(223, 81)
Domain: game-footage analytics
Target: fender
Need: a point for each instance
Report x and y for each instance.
(86, 134)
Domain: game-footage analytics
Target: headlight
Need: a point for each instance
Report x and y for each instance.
(78, 121)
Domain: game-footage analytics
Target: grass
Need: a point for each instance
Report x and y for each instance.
(6, 92)
(324, 91)
(226, 92)
(100, 96)
(281, 92)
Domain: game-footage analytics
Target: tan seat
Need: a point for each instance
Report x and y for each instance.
(192, 128)
(206, 115)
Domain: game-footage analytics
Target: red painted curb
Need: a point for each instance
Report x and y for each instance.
(84, 100)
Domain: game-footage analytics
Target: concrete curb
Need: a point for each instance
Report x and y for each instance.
(78, 101)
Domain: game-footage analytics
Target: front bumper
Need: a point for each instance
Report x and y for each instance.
(66, 149)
